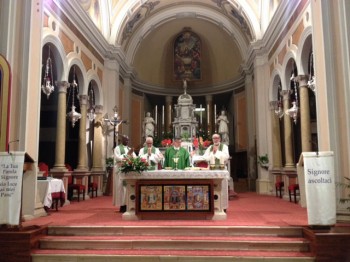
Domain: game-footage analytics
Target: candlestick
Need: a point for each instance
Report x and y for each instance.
(215, 114)
(200, 114)
(156, 114)
(208, 114)
(163, 115)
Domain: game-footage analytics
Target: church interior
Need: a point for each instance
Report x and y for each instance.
(77, 76)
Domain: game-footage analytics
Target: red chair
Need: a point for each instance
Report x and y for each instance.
(79, 188)
(292, 189)
(92, 187)
(279, 185)
(44, 168)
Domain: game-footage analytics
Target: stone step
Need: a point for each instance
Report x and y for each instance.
(175, 230)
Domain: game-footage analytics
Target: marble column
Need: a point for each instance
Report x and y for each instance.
(168, 106)
(288, 140)
(82, 154)
(276, 140)
(209, 111)
(61, 127)
(97, 160)
(305, 125)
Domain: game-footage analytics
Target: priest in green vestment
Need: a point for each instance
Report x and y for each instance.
(177, 153)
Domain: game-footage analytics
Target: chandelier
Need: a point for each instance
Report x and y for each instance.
(312, 80)
(47, 87)
(294, 110)
(73, 115)
(91, 110)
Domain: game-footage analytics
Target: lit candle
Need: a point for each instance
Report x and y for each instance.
(163, 115)
(200, 114)
(212, 159)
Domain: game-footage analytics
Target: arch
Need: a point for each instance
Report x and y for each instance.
(287, 66)
(80, 73)
(304, 47)
(176, 12)
(275, 82)
(59, 55)
(91, 76)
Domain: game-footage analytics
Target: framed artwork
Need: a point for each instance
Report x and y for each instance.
(168, 196)
(174, 198)
(198, 197)
(151, 198)
(187, 56)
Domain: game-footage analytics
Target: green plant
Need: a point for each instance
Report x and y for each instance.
(185, 136)
(263, 160)
(109, 162)
(345, 186)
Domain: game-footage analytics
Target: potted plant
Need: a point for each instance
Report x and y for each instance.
(263, 161)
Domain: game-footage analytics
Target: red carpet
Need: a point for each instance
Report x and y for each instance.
(248, 209)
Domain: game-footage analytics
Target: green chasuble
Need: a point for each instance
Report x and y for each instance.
(182, 154)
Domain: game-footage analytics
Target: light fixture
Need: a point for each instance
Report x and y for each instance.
(47, 87)
(115, 121)
(278, 104)
(312, 79)
(294, 110)
(73, 115)
(91, 110)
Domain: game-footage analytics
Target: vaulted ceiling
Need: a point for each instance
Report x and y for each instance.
(145, 31)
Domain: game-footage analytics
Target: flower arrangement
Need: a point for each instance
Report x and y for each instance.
(133, 164)
(166, 142)
(200, 144)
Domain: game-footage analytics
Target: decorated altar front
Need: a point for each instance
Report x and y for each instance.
(176, 194)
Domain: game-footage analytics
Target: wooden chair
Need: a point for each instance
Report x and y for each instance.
(79, 188)
(92, 187)
(292, 189)
(279, 185)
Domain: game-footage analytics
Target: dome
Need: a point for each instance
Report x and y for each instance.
(185, 99)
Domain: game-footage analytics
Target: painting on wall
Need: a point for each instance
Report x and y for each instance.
(187, 56)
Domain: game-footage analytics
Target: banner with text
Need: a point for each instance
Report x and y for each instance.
(320, 188)
(11, 173)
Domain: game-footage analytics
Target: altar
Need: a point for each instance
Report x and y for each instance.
(176, 194)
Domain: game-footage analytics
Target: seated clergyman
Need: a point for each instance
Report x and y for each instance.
(151, 154)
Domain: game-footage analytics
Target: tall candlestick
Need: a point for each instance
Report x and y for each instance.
(163, 115)
(200, 114)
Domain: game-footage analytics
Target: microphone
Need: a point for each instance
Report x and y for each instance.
(8, 145)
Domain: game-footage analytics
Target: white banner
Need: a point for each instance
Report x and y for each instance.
(320, 188)
(11, 173)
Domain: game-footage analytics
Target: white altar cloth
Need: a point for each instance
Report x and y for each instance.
(220, 177)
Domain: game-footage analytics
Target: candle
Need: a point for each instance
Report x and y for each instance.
(222, 160)
(215, 113)
(163, 115)
(212, 159)
(200, 114)
(208, 114)
(156, 114)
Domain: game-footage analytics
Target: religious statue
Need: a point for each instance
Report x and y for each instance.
(223, 127)
(148, 125)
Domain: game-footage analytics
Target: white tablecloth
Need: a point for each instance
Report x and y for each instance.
(223, 175)
(47, 187)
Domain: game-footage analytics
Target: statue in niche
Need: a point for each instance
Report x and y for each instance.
(148, 125)
(223, 127)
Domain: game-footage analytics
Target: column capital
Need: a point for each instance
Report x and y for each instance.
(302, 80)
(168, 99)
(83, 99)
(62, 86)
(98, 109)
(208, 98)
